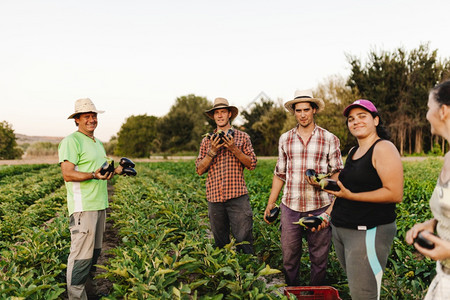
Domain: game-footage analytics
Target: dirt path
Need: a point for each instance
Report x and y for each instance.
(101, 286)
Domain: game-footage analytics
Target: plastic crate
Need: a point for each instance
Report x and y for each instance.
(313, 292)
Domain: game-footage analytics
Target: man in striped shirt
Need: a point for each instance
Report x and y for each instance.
(306, 146)
(224, 158)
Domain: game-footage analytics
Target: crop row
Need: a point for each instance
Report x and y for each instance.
(167, 251)
(34, 236)
(28, 199)
(19, 169)
(19, 191)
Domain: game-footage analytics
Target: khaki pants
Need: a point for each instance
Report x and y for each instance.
(86, 230)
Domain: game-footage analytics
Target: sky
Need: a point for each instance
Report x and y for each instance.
(137, 57)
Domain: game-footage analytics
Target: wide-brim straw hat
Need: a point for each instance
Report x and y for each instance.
(222, 103)
(304, 96)
(84, 105)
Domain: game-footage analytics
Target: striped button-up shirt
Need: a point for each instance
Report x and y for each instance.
(321, 153)
(226, 173)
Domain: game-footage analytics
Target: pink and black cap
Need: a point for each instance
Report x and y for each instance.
(366, 104)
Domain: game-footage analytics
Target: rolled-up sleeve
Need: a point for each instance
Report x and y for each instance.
(204, 146)
(280, 168)
(248, 150)
(335, 163)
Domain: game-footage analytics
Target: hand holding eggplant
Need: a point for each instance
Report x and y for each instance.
(321, 180)
(216, 143)
(127, 167)
(107, 167)
(310, 222)
(105, 172)
(272, 214)
(422, 241)
(432, 246)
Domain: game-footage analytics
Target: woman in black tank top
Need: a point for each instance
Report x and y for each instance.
(363, 215)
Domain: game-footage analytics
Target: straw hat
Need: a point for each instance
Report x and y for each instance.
(222, 103)
(84, 105)
(304, 96)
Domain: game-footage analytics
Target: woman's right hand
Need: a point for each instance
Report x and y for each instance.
(441, 248)
(429, 225)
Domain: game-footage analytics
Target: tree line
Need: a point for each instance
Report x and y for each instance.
(397, 82)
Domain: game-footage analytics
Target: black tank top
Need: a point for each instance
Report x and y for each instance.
(359, 175)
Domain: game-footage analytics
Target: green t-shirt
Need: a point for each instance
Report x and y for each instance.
(87, 156)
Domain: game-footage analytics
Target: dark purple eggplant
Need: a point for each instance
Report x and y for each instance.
(220, 134)
(107, 167)
(329, 184)
(317, 177)
(311, 174)
(126, 162)
(128, 172)
(273, 214)
(309, 222)
(423, 242)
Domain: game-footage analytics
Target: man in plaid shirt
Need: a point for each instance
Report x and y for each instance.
(224, 158)
(306, 146)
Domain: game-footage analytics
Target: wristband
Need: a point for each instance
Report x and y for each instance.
(93, 175)
(211, 155)
(325, 217)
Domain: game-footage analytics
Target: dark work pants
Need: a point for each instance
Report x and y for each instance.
(235, 214)
(291, 245)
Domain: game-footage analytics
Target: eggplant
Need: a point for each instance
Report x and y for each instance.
(126, 163)
(220, 134)
(309, 222)
(311, 174)
(128, 172)
(107, 167)
(329, 184)
(423, 242)
(273, 214)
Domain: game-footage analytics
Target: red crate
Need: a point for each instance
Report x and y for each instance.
(313, 292)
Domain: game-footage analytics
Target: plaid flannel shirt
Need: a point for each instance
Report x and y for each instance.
(321, 153)
(226, 173)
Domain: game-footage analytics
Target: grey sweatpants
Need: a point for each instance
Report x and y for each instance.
(363, 255)
(86, 230)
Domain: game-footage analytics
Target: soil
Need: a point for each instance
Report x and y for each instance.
(101, 286)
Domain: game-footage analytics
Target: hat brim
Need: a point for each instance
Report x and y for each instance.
(319, 102)
(85, 112)
(353, 105)
(234, 111)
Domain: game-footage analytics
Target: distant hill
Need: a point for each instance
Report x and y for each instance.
(27, 139)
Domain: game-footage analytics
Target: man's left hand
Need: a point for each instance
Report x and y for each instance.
(228, 142)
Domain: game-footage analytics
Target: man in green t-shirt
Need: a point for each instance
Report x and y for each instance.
(81, 156)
